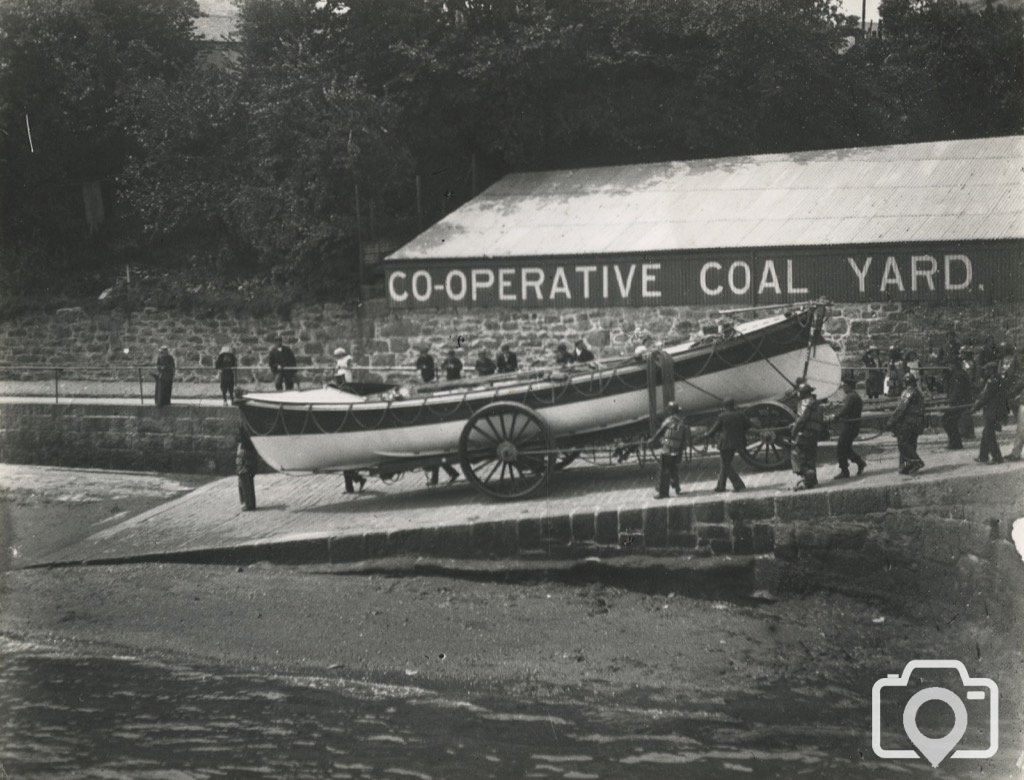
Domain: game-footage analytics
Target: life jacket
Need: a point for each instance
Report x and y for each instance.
(811, 419)
(675, 433)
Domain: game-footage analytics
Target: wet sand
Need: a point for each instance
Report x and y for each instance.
(532, 636)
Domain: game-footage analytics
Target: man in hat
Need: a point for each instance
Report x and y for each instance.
(508, 361)
(583, 353)
(672, 432)
(847, 421)
(282, 365)
(807, 430)
(226, 364)
(425, 364)
(874, 376)
(992, 404)
(164, 377)
(485, 366)
(959, 397)
(907, 423)
(342, 368)
(732, 426)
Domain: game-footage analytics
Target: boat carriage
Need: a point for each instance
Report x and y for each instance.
(510, 431)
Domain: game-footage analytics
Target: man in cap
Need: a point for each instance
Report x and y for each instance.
(164, 377)
(847, 421)
(282, 365)
(807, 430)
(732, 426)
(907, 422)
(425, 364)
(342, 368)
(672, 434)
(226, 364)
(992, 403)
(485, 366)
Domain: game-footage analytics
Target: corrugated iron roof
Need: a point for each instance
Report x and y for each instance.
(940, 191)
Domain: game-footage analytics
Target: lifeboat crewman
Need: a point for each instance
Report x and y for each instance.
(425, 364)
(807, 430)
(672, 434)
(907, 422)
(847, 420)
(992, 404)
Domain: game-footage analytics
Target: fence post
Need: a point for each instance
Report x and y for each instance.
(142, 395)
(56, 385)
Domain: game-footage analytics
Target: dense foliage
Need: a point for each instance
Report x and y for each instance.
(253, 163)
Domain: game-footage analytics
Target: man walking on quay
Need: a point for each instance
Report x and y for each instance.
(673, 431)
(810, 422)
(847, 420)
(282, 365)
(992, 403)
(732, 426)
(907, 422)
(959, 395)
(164, 377)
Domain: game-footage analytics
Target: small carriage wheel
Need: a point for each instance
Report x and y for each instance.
(768, 440)
(506, 450)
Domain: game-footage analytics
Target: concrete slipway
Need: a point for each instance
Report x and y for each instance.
(586, 511)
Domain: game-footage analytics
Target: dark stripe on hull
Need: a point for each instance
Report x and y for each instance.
(295, 419)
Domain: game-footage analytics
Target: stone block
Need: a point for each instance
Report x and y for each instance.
(708, 512)
(343, 549)
(556, 529)
(742, 538)
(711, 531)
(631, 542)
(683, 541)
(720, 546)
(656, 530)
(858, 502)
(631, 520)
(528, 532)
(297, 551)
(680, 519)
(606, 526)
(808, 505)
(583, 525)
(375, 545)
(763, 538)
(747, 509)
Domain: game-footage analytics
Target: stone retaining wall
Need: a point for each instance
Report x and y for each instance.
(116, 342)
(180, 438)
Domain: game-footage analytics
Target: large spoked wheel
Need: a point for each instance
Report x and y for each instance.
(768, 440)
(506, 450)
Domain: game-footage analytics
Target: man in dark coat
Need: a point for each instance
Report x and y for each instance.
(847, 421)
(452, 366)
(907, 422)
(563, 356)
(507, 360)
(959, 396)
(732, 426)
(282, 365)
(874, 376)
(485, 366)
(992, 403)
(226, 365)
(164, 377)
(246, 466)
(425, 364)
(807, 430)
(583, 352)
(672, 434)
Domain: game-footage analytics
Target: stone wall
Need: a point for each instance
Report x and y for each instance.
(179, 438)
(116, 342)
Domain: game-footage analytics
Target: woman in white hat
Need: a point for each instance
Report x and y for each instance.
(342, 367)
(226, 364)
